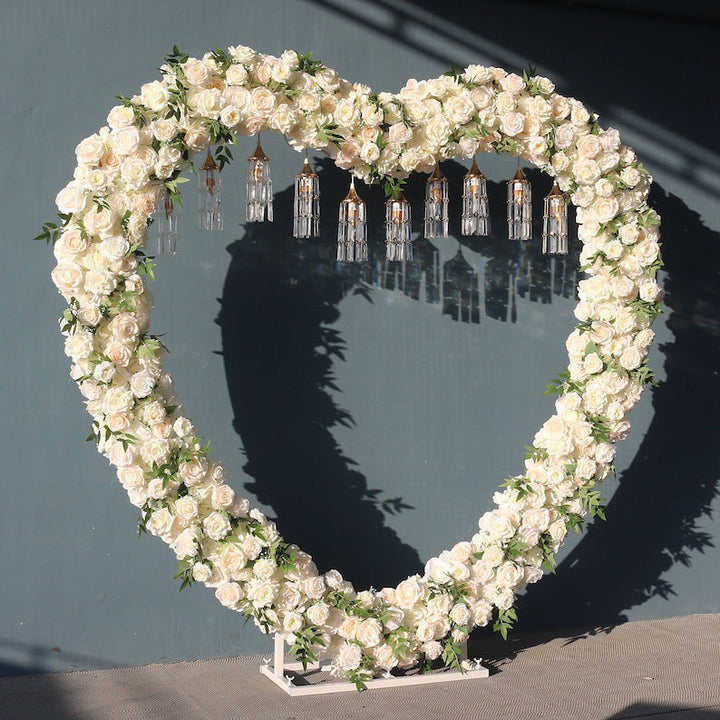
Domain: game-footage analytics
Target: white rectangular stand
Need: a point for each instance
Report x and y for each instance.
(316, 680)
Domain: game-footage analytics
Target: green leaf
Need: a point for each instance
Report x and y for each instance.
(515, 548)
(185, 571)
(307, 65)
(504, 621)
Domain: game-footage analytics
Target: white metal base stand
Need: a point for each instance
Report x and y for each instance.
(316, 680)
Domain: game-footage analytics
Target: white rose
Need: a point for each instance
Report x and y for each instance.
(155, 450)
(68, 277)
(608, 161)
(631, 358)
(369, 633)
(201, 572)
(142, 383)
(222, 496)
(318, 613)
(196, 72)
(126, 139)
(216, 526)
(586, 171)
(90, 150)
(154, 95)
(460, 614)
(437, 130)
(229, 594)
(160, 522)
(232, 560)
(197, 138)
(349, 657)
(564, 136)
(609, 139)
(314, 587)
(512, 83)
(120, 116)
(459, 109)
(71, 199)
(185, 544)
(262, 101)
(409, 592)
(497, 525)
(650, 292)
(512, 123)
(164, 129)
(482, 612)
(264, 569)
(182, 427)
(369, 152)
(293, 622)
(604, 453)
(438, 570)
(630, 176)
(192, 472)
(186, 508)
(605, 209)
(509, 575)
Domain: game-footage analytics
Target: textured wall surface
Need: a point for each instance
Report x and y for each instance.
(384, 414)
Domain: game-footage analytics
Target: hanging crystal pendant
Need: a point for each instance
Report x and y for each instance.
(259, 197)
(168, 227)
(306, 209)
(209, 191)
(519, 207)
(352, 228)
(436, 205)
(555, 223)
(397, 229)
(475, 213)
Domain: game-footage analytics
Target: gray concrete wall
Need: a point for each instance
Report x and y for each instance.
(359, 403)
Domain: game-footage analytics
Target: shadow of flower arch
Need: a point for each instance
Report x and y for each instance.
(674, 477)
(280, 300)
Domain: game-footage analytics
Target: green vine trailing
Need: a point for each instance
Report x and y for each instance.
(124, 173)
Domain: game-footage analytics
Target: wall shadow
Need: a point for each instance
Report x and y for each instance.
(280, 300)
(671, 483)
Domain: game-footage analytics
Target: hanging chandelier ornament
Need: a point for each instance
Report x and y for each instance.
(436, 205)
(555, 223)
(475, 212)
(210, 195)
(306, 208)
(352, 228)
(519, 207)
(398, 240)
(258, 197)
(168, 227)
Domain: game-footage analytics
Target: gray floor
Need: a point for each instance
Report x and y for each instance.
(666, 669)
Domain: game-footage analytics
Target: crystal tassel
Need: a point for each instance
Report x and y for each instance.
(306, 210)
(555, 223)
(352, 228)
(436, 205)
(259, 197)
(519, 207)
(209, 190)
(397, 229)
(168, 227)
(475, 214)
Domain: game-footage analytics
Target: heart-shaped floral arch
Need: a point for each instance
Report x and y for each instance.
(124, 172)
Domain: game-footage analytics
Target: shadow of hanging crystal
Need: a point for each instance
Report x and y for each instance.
(461, 291)
(281, 343)
(418, 278)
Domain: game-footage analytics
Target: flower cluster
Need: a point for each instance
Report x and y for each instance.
(125, 170)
